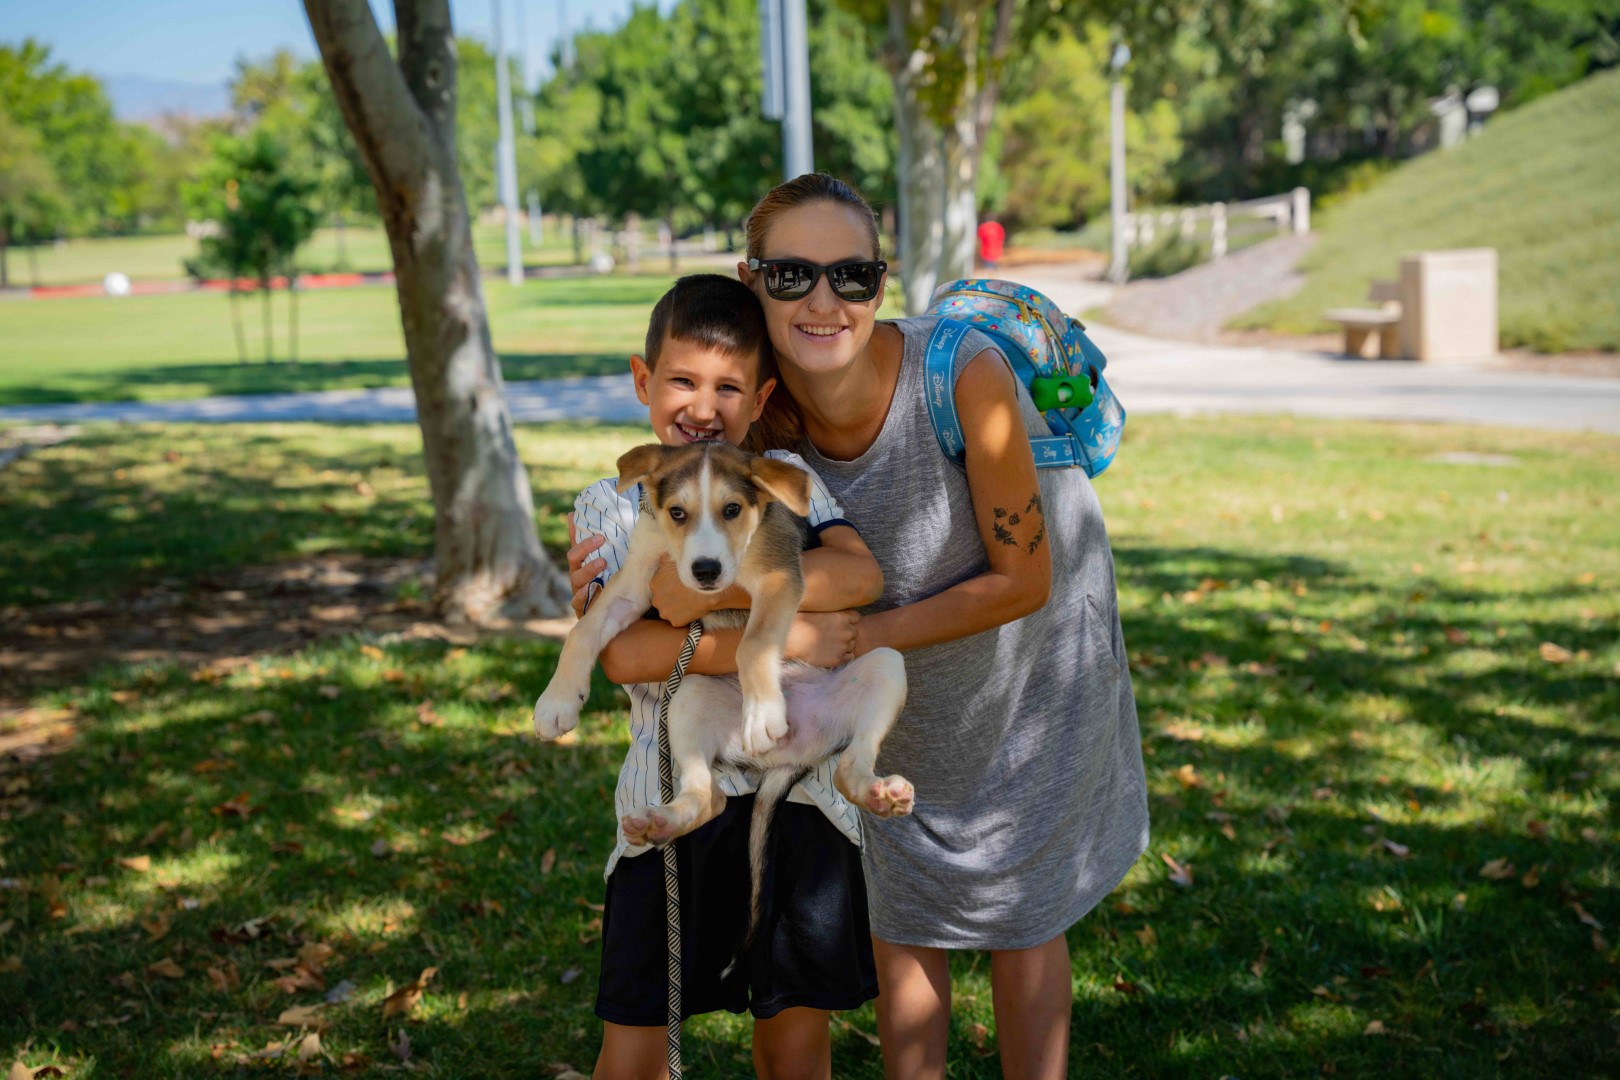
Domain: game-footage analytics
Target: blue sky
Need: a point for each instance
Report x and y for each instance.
(199, 40)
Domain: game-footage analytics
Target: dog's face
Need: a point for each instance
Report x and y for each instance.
(709, 500)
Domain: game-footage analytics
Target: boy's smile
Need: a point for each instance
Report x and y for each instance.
(699, 393)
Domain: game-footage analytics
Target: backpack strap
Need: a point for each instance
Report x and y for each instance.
(1051, 451)
(940, 388)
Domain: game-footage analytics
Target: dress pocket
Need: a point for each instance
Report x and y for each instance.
(1100, 639)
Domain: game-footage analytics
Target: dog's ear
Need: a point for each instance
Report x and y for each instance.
(638, 464)
(787, 484)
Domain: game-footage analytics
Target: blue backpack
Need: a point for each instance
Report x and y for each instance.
(1050, 354)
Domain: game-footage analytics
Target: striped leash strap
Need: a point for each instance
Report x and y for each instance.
(672, 883)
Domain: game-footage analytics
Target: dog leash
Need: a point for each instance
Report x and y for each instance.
(672, 882)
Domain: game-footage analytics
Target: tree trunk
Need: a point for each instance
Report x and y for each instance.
(943, 124)
(488, 557)
(5, 269)
(342, 241)
(236, 322)
(579, 241)
(292, 315)
(269, 334)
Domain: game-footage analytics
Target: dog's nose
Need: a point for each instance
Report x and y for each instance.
(706, 571)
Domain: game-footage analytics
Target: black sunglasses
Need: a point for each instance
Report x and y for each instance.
(793, 279)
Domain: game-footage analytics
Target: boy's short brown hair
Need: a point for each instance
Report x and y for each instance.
(712, 310)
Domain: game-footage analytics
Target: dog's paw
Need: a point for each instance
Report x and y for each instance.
(637, 826)
(890, 797)
(764, 724)
(654, 826)
(555, 714)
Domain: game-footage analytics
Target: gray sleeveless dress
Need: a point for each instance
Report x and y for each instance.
(1021, 741)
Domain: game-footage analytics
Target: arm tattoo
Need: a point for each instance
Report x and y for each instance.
(1004, 519)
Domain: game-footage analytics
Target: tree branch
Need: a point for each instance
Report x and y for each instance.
(379, 107)
(427, 59)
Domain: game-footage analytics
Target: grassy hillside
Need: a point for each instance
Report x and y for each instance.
(1539, 185)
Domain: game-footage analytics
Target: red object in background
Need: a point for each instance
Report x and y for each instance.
(992, 241)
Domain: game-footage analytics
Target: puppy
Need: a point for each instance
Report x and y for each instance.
(724, 516)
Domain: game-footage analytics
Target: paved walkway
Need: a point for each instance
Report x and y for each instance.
(1149, 374)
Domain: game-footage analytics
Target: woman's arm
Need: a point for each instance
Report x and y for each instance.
(1007, 507)
(647, 649)
(841, 573)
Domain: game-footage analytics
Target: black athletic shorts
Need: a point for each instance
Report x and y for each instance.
(813, 948)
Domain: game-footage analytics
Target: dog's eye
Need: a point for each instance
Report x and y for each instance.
(731, 510)
(676, 514)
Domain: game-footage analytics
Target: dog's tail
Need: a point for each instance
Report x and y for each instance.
(773, 788)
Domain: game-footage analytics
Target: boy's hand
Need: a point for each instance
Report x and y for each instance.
(676, 604)
(823, 638)
(582, 569)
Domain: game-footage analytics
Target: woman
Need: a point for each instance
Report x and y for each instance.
(1020, 729)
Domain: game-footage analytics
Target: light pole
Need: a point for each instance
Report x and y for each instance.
(1118, 268)
(506, 153)
(785, 44)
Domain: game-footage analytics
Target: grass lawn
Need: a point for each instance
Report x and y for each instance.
(162, 258)
(1538, 185)
(1380, 707)
(152, 348)
(157, 347)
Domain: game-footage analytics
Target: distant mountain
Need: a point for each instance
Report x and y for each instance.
(138, 97)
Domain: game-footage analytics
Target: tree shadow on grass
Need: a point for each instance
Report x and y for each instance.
(1301, 929)
(208, 380)
(123, 509)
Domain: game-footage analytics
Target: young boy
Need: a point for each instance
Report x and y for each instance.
(705, 375)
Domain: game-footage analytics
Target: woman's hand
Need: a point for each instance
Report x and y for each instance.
(582, 569)
(823, 638)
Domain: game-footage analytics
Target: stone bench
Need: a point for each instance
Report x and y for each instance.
(1372, 333)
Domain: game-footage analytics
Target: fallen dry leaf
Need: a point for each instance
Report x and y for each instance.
(1400, 851)
(236, 806)
(426, 716)
(315, 955)
(1187, 776)
(1147, 937)
(978, 1034)
(1258, 968)
(303, 1016)
(1374, 1027)
(166, 968)
(1532, 877)
(1555, 654)
(330, 692)
(1126, 987)
(156, 927)
(405, 998)
(140, 864)
(1498, 870)
(548, 860)
(224, 979)
(1179, 874)
(1586, 919)
(310, 1047)
(401, 1045)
